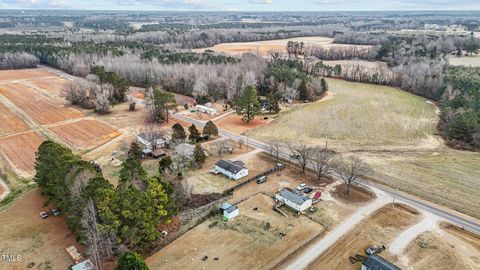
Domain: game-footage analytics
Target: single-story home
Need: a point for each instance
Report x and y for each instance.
(229, 211)
(185, 149)
(231, 169)
(85, 265)
(375, 262)
(294, 200)
(205, 109)
(146, 140)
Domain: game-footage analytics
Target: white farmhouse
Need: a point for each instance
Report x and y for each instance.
(231, 169)
(294, 200)
(205, 109)
(230, 211)
(145, 139)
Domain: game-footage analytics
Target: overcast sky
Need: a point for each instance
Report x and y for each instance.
(246, 5)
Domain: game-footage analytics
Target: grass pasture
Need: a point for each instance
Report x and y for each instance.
(473, 61)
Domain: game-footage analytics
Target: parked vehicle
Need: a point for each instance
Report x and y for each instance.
(43, 214)
(55, 211)
(317, 195)
(307, 190)
(374, 249)
(262, 179)
(302, 186)
(295, 156)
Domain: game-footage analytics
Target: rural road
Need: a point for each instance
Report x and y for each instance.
(384, 193)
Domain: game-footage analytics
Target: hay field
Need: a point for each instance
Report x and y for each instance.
(86, 133)
(380, 228)
(239, 244)
(19, 150)
(40, 108)
(468, 61)
(265, 48)
(10, 122)
(55, 86)
(358, 116)
(22, 74)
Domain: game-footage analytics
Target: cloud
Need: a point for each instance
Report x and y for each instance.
(40, 4)
(260, 1)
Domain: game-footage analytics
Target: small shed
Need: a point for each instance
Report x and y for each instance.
(158, 153)
(74, 254)
(375, 262)
(85, 265)
(146, 153)
(229, 211)
(295, 201)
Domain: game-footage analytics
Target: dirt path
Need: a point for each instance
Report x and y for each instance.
(221, 116)
(316, 249)
(429, 222)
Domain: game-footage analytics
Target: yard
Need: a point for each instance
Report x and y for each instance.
(244, 243)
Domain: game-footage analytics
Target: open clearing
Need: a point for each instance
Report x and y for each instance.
(265, 48)
(380, 228)
(39, 241)
(446, 248)
(358, 116)
(473, 61)
(233, 123)
(40, 108)
(10, 122)
(86, 133)
(22, 74)
(239, 244)
(54, 86)
(19, 150)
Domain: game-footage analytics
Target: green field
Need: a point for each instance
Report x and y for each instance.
(394, 132)
(358, 116)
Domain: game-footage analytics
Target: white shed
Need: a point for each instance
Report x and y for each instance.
(231, 169)
(230, 211)
(296, 201)
(205, 109)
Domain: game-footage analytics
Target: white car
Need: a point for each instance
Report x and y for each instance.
(302, 186)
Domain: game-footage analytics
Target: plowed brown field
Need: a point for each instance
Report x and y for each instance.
(22, 74)
(10, 122)
(54, 86)
(20, 150)
(86, 133)
(38, 107)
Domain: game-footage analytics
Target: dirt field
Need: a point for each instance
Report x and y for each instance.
(86, 133)
(54, 86)
(243, 243)
(36, 240)
(381, 228)
(446, 248)
(20, 150)
(21, 74)
(233, 123)
(473, 61)
(10, 122)
(265, 48)
(40, 108)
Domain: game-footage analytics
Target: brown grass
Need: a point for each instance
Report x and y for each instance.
(86, 133)
(10, 122)
(356, 195)
(20, 150)
(21, 74)
(40, 108)
(54, 86)
(380, 228)
(233, 123)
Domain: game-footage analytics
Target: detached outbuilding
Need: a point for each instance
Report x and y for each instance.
(295, 201)
(229, 211)
(85, 265)
(375, 262)
(231, 169)
(205, 109)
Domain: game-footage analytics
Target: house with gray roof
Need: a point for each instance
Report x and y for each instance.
(294, 200)
(231, 169)
(229, 211)
(375, 262)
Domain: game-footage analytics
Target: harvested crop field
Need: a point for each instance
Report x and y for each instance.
(10, 122)
(380, 228)
(85, 133)
(54, 86)
(243, 243)
(40, 242)
(39, 107)
(22, 74)
(19, 150)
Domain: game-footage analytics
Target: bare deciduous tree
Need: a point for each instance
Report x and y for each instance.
(321, 161)
(91, 232)
(221, 146)
(153, 134)
(303, 153)
(273, 149)
(350, 169)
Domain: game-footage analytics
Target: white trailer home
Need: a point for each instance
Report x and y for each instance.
(230, 211)
(294, 200)
(231, 169)
(205, 109)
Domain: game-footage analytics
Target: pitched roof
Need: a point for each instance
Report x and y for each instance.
(230, 166)
(293, 197)
(231, 209)
(375, 262)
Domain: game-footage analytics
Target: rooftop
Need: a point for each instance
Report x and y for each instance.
(375, 262)
(293, 197)
(231, 166)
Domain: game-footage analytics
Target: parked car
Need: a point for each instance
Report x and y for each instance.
(307, 190)
(317, 195)
(374, 249)
(55, 211)
(295, 156)
(302, 186)
(43, 214)
(262, 179)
